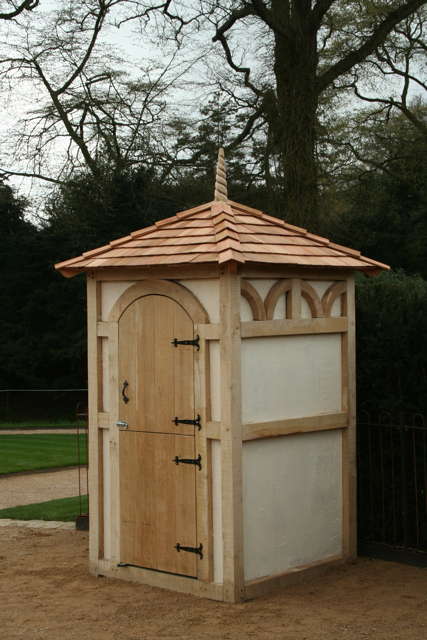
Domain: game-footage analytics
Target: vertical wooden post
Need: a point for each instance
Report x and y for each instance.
(231, 433)
(349, 461)
(94, 357)
(293, 306)
(114, 440)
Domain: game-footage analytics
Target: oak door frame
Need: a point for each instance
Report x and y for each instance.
(193, 307)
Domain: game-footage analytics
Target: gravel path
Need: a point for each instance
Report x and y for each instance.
(17, 490)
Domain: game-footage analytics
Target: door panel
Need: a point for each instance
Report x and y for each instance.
(157, 496)
(157, 501)
(159, 375)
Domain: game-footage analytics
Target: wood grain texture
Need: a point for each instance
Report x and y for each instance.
(252, 329)
(94, 359)
(159, 376)
(254, 300)
(226, 232)
(292, 426)
(231, 434)
(158, 502)
(258, 588)
(177, 292)
(349, 461)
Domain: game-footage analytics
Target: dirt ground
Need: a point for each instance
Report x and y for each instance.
(19, 489)
(46, 593)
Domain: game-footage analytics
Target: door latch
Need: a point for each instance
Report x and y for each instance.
(193, 343)
(122, 424)
(197, 550)
(195, 423)
(196, 461)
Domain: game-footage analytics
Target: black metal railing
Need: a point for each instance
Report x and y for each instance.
(392, 485)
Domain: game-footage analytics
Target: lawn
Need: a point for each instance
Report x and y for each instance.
(42, 424)
(64, 510)
(33, 452)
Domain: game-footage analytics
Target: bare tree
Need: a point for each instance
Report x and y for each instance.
(92, 109)
(13, 9)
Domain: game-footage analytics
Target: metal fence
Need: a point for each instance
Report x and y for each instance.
(392, 485)
(41, 405)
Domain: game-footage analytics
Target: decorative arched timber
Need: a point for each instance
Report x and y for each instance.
(310, 296)
(284, 286)
(331, 294)
(279, 288)
(254, 300)
(177, 292)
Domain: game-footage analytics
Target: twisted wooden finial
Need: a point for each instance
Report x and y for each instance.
(221, 178)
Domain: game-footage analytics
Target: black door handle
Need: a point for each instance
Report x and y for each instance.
(124, 396)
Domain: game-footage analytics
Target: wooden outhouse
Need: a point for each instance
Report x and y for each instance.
(221, 401)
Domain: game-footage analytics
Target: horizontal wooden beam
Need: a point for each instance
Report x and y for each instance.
(292, 426)
(104, 420)
(173, 272)
(213, 430)
(208, 331)
(286, 271)
(105, 329)
(265, 328)
(262, 586)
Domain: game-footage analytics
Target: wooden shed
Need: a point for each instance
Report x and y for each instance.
(221, 401)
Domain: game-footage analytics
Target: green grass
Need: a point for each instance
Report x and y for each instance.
(32, 452)
(42, 424)
(65, 510)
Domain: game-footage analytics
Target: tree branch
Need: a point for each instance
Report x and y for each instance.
(27, 5)
(375, 40)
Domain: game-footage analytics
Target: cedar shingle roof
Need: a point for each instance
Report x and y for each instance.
(220, 231)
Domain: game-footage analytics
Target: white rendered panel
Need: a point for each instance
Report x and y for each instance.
(207, 292)
(263, 286)
(111, 292)
(320, 286)
(217, 512)
(215, 379)
(305, 309)
(107, 495)
(336, 308)
(290, 376)
(245, 310)
(292, 502)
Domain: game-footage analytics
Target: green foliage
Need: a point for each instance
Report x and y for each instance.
(28, 452)
(62, 510)
(383, 211)
(392, 342)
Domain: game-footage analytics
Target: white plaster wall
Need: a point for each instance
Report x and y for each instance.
(305, 309)
(245, 310)
(320, 286)
(110, 293)
(215, 379)
(290, 376)
(263, 286)
(292, 502)
(207, 291)
(217, 512)
(107, 494)
(336, 308)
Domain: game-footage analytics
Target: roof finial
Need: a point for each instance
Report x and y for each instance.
(220, 178)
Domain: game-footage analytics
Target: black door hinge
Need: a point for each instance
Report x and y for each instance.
(196, 461)
(193, 343)
(195, 423)
(197, 550)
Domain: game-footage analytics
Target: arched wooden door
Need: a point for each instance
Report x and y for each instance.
(157, 491)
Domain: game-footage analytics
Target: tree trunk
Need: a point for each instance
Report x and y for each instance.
(294, 124)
